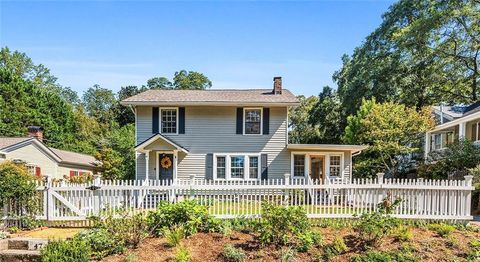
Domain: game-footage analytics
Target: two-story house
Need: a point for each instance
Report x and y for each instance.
(227, 135)
(453, 123)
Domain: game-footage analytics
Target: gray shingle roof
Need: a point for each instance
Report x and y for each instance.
(211, 96)
(65, 156)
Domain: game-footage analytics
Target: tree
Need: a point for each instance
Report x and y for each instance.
(123, 114)
(111, 161)
(391, 131)
(159, 83)
(99, 102)
(191, 80)
(300, 129)
(327, 117)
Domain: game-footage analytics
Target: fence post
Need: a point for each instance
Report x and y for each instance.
(96, 195)
(192, 183)
(48, 207)
(286, 193)
(468, 207)
(380, 189)
(420, 197)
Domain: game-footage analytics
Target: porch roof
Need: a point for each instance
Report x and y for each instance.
(327, 147)
(141, 147)
(457, 121)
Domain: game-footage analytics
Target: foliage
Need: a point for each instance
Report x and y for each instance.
(232, 254)
(127, 229)
(188, 214)
(80, 179)
(190, 80)
(298, 119)
(17, 188)
(3, 235)
(284, 225)
(99, 103)
(442, 229)
(181, 255)
(336, 248)
(403, 233)
(308, 239)
(130, 258)
(390, 129)
(66, 251)
(288, 254)
(379, 256)
(101, 242)
(373, 226)
(174, 235)
(474, 254)
(111, 161)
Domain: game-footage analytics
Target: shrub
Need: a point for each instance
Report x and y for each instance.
(174, 236)
(3, 235)
(232, 254)
(372, 227)
(193, 217)
(282, 225)
(101, 242)
(403, 233)
(474, 253)
(181, 255)
(288, 254)
(130, 258)
(308, 239)
(374, 256)
(127, 230)
(336, 248)
(442, 229)
(66, 251)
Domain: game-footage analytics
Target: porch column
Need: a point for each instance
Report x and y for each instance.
(147, 164)
(427, 144)
(462, 128)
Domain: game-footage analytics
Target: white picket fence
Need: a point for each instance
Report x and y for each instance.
(420, 199)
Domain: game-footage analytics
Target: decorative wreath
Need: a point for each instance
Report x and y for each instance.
(166, 162)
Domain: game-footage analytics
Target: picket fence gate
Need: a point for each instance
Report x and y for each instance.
(420, 199)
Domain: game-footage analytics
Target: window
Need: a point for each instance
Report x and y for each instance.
(168, 121)
(335, 165)
(476, 131)
(436, 141)
(221, 167)
(31, 168)
(253, 167)
(253, 119)
(299, 165)
(449, 138)
(237, 166)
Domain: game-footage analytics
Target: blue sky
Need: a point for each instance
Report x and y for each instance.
(236, 44)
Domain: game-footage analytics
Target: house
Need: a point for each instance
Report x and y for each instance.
(42, 160)
(227, 135)
(453, 123)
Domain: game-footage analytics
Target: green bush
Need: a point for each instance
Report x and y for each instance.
(66, 251)
(101, 242)
(174, 236)
(288, 254)
(376, 256)
(372, 227)
(232, 254)
(307, 240)
(336, 248)
(188, 214)
(474, 253)
(181, 255)
(442, 229)
(282, 225)
(403, 233)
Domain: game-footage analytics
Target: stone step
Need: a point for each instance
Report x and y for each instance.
(15, 255)
(26, 243)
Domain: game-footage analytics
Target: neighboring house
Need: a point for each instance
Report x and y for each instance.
(227, 135)
(453, 123)
(41, 160)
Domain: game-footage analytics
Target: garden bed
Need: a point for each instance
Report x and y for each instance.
(425, 245)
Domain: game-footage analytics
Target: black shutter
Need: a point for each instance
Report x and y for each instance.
(209, 166)
(181, 119)
(239, 120)
(266, 121)
(155, 119)
(264, 166)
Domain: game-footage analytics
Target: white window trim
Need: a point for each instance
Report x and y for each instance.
(228, 165)
(160, 120)
(326, 156)
(261, 120)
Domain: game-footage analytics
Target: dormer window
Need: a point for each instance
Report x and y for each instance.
(252, 121)
(169, 120)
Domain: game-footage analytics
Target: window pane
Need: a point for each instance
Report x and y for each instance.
(169, 121)
(237, 166)
(335, 165)
(298, 165)
(252, 121)
(221, 167)
(253, 167)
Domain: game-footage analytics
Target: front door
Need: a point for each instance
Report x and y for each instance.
(165, 169)
(317, 167)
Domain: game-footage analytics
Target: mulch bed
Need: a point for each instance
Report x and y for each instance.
(427, 246)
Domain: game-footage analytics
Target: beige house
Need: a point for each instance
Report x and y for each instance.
(230, 134)
(453, 123)
(41, 160)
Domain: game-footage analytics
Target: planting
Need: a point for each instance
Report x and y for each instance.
(442, 230)
(66, 251)
(232, 254)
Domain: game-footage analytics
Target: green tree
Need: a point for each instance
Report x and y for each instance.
(111, 161)
(390, 129)
(99, 102)
(327, 117)
(191, 80)
(301, 131)
(159, 83)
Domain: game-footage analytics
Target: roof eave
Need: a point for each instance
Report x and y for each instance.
(206, 103)
(352, 148)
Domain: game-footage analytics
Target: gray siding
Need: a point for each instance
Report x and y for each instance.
(213, 130)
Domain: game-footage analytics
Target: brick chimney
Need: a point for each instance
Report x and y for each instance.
(277, 85)
(36, 131)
